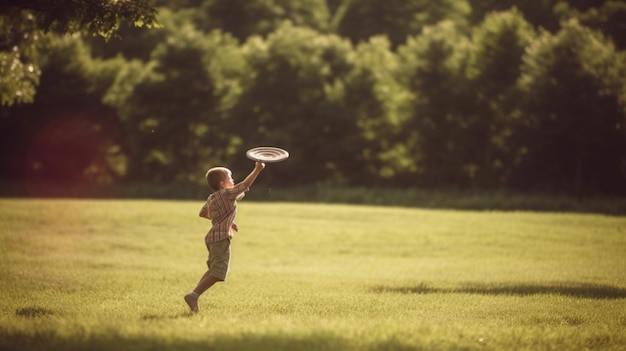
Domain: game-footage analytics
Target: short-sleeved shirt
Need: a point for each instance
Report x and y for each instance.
(221, 209)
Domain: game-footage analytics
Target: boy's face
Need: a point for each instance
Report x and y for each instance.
(228, 182)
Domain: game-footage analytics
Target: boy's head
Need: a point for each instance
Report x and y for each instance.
(219, 178)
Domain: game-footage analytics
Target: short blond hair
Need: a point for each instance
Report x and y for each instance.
(216, 175)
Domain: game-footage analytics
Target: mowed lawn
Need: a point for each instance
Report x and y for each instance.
(111, 274)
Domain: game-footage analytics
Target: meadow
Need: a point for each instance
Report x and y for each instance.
(111, 274)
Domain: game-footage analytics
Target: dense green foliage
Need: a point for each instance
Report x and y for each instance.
(110, 275)
(458, 93)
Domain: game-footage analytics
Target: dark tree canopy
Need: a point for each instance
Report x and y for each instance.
(23, 23)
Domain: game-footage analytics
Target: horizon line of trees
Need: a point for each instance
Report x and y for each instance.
(440, 99)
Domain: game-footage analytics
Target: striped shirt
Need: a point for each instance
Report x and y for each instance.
(221, 209)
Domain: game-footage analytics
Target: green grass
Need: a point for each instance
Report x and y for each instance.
(110, 275)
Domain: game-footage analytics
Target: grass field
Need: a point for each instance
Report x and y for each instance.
(110, 275)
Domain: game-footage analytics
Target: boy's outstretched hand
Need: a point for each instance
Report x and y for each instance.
(259, 165)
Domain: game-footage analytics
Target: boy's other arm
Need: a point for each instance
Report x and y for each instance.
(258, 167)
(204, 211)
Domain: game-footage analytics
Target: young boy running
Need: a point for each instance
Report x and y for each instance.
(221, 209)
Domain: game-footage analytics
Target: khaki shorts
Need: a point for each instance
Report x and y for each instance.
(219, 259)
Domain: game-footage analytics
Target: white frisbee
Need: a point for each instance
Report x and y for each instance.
(267, 154)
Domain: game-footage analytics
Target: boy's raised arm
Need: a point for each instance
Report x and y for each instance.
(258, 167)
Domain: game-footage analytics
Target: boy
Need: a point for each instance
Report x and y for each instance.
(221, 209)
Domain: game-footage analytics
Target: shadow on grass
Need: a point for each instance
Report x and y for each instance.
(579, 290)
(33, 312)
(158, 317)
(276, 342)
(118, 340)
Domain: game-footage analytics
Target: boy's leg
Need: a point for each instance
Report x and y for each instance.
(219, 260)
(204, 284)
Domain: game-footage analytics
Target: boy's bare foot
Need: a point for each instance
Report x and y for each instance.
(192, 302)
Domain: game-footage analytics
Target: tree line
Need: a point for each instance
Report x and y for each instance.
(468, 94)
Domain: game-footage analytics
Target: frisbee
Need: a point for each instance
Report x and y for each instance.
(267, 154)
